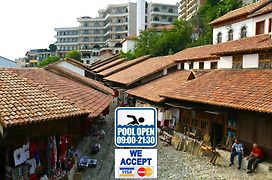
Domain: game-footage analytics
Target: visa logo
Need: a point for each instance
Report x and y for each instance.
(126, 172)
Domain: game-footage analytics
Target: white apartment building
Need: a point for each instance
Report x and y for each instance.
(114, 23)
(188, 8)
(248, 21)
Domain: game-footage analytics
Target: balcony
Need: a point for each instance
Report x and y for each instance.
(66, 36)
(116, 15)
(91, 35)
(192, 9)
(165, 13)
(116, 24)
(192, 2)
(91, 27)
(160, 22)
(65, 43)
(182, 4)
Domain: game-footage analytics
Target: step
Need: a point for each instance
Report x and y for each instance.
(263, 167)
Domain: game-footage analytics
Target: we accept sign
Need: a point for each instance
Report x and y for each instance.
(135, 163)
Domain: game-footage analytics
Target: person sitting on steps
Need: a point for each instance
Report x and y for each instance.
(237, 150)
(255, 157)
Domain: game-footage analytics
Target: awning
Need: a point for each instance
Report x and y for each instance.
(188, 107)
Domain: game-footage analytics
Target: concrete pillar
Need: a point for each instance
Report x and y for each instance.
(140, 16)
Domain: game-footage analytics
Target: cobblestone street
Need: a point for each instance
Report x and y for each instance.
(174, 164)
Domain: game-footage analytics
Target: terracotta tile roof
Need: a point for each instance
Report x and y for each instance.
(152, 90)
(209, 52)
(124, 65)
(266, 9)
(243, 11)
(108, 65)
(83, 80)
(22, 102)
(141, 70)
(197, 53)
(249, 44)
(103, 62)
(246, 89)
(81, 96)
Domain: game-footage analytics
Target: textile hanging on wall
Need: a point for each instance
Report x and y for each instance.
(63, 145)
(21, 155)
(160, 115)
(167, 115)
(18, 156)
(33, 165)
(53, 153)
(26, 151)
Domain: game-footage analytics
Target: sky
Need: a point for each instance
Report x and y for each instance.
(29, 24)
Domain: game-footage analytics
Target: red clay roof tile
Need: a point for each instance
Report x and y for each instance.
(247, 89)
(141, 70)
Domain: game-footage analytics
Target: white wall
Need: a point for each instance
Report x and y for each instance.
(128, 45)
(179, 65)
(196, 65)
(72, 67)
(236, 27)
(164, 71)
(186, 65)
(225, 62)
(250, 61)
(207, 64)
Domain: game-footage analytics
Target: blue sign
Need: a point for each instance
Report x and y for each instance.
(135, 127)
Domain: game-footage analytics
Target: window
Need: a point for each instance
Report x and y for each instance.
(219, 37)
(170, 10)
(237, 61)
(201, 65)
(230, 35)
(87, 61)
(156, 9)
(182, 66)
(214, 65)
(170, 19)
(260, 27)
(191, 65)
(265, 60)
(231, 125)
(243, 32)
(155, 19)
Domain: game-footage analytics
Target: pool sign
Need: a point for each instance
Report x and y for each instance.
(135, 127)
(136, 163)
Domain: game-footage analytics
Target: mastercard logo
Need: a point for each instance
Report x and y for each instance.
(145, 171)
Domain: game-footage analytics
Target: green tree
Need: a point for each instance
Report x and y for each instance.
(52, 47)
(151, 42)
(48, 60)
(211, 10)
(74, 54)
